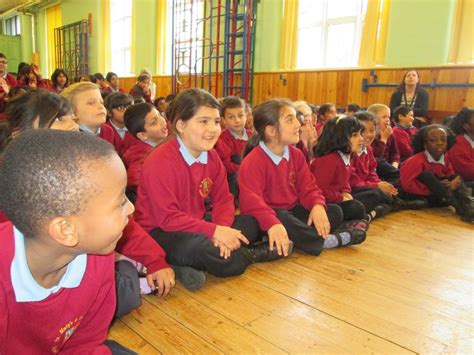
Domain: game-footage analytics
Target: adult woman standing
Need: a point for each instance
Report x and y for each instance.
(410, 93)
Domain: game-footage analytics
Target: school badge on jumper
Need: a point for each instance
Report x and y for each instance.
(205, 187)
(292, 178)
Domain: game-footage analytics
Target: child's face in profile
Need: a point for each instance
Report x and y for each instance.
(155, 127)
(384, 118)
(235, 119)
(357, 142)
(144, 84)
(66, 123)
(406, 121)
(200, 132)
(329, 115)
(90, 109)
(436, 142)
(289, 126)
(368, 133)
(469, 126)
(101, 224)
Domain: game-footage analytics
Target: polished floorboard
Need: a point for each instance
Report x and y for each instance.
(407, 289)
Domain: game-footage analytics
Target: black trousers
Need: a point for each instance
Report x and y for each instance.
(383, 197)
(352, 209)
(387, 171)
(439, 192)
(127, 286)
(197, 251)
(304, 237)
(118, 349)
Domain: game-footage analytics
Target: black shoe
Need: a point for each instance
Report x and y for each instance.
(357, 234)
(382, 210)
(418, 204)
(468, 219)
(192, 279)
(261, 252)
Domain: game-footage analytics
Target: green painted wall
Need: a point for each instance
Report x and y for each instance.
(41, 44)
(75, 10)
(419, 32)
(145, 35)
(26, 39)
(267, 42)
(11, 47)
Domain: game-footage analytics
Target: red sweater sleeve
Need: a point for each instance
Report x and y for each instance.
(393, 153)
(462, 158)
(251, 186)
(409, 171)
(326, 171)
(138, 245)
(133, 174)
(403, 143)
(309, 193)
(222, 200)
(224, 150)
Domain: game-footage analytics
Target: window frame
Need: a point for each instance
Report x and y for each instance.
(122, 49)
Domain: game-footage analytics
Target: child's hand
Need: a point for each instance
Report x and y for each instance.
(455, 183)
(395, 164)
(386, 133)
(230, 237)
(224, 251)
(278, 236)
(319, 218)
(346, 196)
(388, 188)
(4, 85)
(162, 280)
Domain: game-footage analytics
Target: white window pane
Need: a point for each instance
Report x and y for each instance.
(309, 54)
(340, 45)
(311, 13)
(342, 8)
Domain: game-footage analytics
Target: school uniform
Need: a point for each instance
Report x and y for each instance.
(300, 145)
(122, 139)
(461, 156)
(137, 91)
(333, 172)
(133, 159)
(11, 82)
(110, 89)
(421, 176)
(72, 316)
(386, 154)
(319, 127)
(230, 148)
(403, 137)
(105, 132)
(181, 201)
(281, 190)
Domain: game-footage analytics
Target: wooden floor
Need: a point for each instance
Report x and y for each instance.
(407, 289)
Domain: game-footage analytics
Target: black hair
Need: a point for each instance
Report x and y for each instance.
(54, 77)
(461, 118)
(109, 76)
(49, 173)
(265, 114)
(231, 102)
(143, 77)
(365, 116)
(39, 105)
(170, 97)
(97, 76)
(3, 56)
(401, 86)
(325, 108)
(23, 72)
(401, 110)
(134, 117)
(419, 138)
(92, 78)
(157, 101)
(353, 108)
(314, 108)
(17, 91)
(117, 99)
(185, 105)
(336, 135)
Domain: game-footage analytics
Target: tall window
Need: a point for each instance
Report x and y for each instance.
(121, 35)
(12, 26)
(329, 32)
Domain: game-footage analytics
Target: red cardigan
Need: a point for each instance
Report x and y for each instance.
(363, 172)
(264, 186)
(417, 164)
(332, 175)
(403, 138)
(462, 157)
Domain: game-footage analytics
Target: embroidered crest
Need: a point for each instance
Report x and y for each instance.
(205, 187)
(292, 178)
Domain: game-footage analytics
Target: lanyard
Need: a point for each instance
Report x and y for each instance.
(412, 102)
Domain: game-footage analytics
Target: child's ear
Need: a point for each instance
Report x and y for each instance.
(180, 124)
(270, 131)
(64, 231)
(142, 136)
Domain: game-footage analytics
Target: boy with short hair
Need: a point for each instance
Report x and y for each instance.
(56, 261)
(232, 141)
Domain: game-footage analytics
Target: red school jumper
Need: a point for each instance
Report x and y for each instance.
(462, 157)
(364, 172)
(403, 138)
(133, 159)
(388, 151)
(228, 146)
(265, 186)
(172, 194)
(120, 144)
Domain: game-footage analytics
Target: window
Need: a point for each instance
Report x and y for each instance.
(12, 26)
(329, 32)
(121, 36)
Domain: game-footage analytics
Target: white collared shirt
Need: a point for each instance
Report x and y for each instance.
(26, 288)
(120, 131)
(244, 137)
(363, 151)
(88, 130)
(430, 158)
(346, 158)
(187, 156)
(470, 141)
(275, 158)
